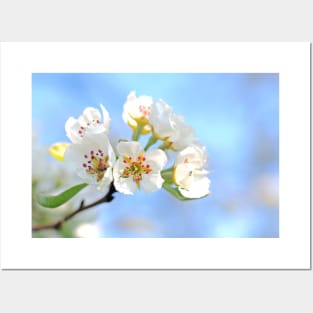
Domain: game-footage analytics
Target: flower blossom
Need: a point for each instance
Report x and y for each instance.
(137, 111)
(136, 169)
(92, 159)
(189, 173)
(88, 122)
(170, 127)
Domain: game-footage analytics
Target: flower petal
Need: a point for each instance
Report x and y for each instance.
(71, 128)
(105, 117)
(183, 175)
(195, 155)
(158, 157)
(151, 182)
(89, 115)
(161, 119)
(130, 148)
(123, 185)
(198, 189)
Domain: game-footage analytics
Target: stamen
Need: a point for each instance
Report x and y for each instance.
(97, 165)
(135, 168)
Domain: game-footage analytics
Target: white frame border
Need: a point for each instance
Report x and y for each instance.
(291, 251)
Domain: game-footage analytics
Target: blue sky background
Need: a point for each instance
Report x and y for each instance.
(234, 115)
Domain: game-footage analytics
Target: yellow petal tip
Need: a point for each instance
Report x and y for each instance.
(57, 150)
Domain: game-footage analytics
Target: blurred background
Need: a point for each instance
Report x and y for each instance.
(236, 116)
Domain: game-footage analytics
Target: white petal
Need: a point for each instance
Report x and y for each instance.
(161, 119)
(158, 157)
(71, 128)
(131, 96)
(192, 155)
(133, 107)
(90, 114)
(151, 182)
(183, 175)
(131, 148)
(123, 185)
(105, 117)
(106, 180)
(198, 189)
(74, 157)
(97, 140)
(95, 129)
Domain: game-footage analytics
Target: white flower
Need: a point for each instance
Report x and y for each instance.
(92, 159)
(170, 127)
(137, 110)
(135, 169)
(161, 119)
(183, 134)
(189, 173)
(88, 122)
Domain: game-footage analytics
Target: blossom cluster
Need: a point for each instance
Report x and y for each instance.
(129, 166)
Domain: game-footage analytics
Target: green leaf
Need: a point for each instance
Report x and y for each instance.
(175, 192)
(55, 201)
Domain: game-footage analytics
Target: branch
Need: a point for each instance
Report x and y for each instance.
(58, 224)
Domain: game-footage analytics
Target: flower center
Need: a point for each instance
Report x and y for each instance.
(145, 110)
(96, 163)
(82, 129)
(136, 168)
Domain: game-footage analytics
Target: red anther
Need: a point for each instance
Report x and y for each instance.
(84, 164)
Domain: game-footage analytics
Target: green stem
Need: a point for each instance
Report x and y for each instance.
(174, 191)
(168, 170)
(163, 146)
(171, 190)
(152, 140)
(137, 132)
(167, 175)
